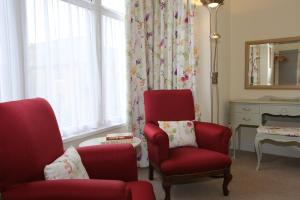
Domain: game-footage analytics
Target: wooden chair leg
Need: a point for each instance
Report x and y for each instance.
(150, 172)
(167, 189)
(227, 179)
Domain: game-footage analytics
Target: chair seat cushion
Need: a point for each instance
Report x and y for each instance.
(186, 160)
(141, 190)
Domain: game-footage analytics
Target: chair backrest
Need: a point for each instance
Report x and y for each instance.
(168, 105)
(29, 140)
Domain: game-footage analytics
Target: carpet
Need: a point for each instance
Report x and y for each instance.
(278, 179)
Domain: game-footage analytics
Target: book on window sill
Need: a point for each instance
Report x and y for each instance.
(120, 141)
(119, 136)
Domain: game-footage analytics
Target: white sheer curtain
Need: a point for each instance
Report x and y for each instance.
(11, 79)
(61, 62)
(71, 53)
(114, 70)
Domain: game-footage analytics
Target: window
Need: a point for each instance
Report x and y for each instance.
(114, 5)
(113, 59)
(70, 49)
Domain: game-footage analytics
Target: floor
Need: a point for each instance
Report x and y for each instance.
(278, 179)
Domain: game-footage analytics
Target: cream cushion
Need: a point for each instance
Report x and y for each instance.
(276, 130)
(180, 133)
(67, 166)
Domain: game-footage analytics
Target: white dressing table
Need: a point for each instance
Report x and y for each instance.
(249, 112)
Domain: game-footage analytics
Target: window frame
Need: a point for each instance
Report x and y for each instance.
(96, 5)
(100, 11)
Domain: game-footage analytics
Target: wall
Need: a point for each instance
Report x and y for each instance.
(256, 20)
(224, 61)
(202, 42)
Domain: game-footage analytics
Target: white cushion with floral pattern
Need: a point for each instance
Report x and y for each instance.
(180, 133)
(276, 130)
(67, 166)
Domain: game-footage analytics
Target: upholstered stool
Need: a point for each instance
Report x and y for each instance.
(278, 134)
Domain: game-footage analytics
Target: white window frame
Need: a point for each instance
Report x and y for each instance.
(97, 6)
(100, 11)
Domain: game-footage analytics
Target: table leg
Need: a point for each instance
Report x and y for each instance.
(233, 140)
(258, 152)
(233, 144)
(239, 138)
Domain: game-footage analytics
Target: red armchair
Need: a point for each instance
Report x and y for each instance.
(30, 139)
(184, 164)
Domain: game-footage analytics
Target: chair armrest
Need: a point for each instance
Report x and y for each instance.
(158, 143)
(110, 161)
(70, 189)
(212, 136)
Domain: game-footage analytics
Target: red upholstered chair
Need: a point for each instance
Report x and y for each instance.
(30, 139)
(184, 164)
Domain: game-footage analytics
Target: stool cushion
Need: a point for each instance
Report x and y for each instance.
(276, 130)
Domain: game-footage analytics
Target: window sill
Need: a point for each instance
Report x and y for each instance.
(93, 132)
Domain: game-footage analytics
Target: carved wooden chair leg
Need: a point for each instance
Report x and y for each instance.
(167, 189)
(227, 179)
(150, 172)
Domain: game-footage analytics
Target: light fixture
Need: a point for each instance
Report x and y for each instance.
(215, 36)
(212, 3)
(213, 6)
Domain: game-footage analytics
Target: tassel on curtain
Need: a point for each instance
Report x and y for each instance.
(161, 54)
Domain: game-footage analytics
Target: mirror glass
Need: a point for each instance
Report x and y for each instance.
(273, 63)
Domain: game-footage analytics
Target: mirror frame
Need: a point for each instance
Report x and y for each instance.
(256, 42)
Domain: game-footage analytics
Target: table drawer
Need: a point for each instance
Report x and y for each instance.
(245, 108)
(291, 110)
(246, 119)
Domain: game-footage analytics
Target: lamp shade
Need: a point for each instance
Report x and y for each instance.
(212, 3)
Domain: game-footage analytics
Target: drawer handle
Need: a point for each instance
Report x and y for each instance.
(246, 119)
(246, 109)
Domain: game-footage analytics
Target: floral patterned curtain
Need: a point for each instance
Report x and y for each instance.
(161, 54)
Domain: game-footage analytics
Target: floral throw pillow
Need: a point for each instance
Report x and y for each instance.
(67, 166)
(180, 133)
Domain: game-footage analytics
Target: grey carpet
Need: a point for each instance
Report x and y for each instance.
(278, 179)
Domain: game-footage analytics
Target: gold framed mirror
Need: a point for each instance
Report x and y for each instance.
(272, 63)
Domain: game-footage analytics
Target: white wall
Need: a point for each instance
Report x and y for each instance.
(202, 41)
(256, 20)
(224, 61)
